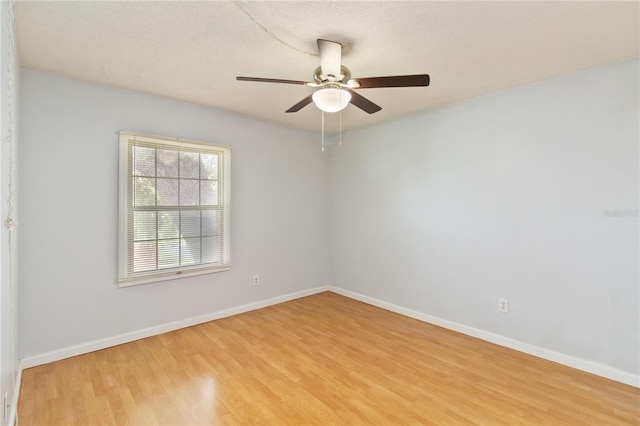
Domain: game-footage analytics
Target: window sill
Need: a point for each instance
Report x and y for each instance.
(169, 275)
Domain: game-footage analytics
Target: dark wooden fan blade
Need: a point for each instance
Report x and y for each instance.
(270, 80)
(303, 103)
(363, 103)
(394, 81)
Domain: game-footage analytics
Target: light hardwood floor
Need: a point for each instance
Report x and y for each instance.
(323, 359)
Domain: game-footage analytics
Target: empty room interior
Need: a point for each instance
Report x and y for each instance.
(381, 213)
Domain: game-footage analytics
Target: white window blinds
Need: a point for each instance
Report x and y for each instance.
(174, 209)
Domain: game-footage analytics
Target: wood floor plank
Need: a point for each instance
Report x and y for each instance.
(319, 360)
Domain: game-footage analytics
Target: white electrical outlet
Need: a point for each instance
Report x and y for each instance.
(503, 305)
(256, 280)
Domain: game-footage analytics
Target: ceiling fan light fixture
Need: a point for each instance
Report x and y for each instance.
(331, 99)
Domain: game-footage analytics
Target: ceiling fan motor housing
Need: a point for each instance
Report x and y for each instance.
(345, 75)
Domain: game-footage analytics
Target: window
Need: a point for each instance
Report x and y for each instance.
(174, 209)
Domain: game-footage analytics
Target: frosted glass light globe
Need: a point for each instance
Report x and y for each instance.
(331, 99)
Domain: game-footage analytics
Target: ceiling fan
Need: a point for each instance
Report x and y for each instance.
(336, 87)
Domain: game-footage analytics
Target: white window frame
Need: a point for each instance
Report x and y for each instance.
(126, 276)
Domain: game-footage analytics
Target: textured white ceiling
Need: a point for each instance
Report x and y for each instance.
(193, 51)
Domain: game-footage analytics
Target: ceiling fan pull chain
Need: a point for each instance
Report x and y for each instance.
(322, 131)
(340, 142)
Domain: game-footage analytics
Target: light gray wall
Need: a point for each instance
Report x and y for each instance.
(8, 251)
(69, 176)
(529, 194)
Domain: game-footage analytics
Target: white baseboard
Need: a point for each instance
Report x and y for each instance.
(96, 345)
(570, 361)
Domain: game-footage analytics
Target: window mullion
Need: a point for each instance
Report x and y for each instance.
(180, 207)
(155, 202)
